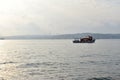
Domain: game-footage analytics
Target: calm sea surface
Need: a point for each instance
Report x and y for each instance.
(59, 60)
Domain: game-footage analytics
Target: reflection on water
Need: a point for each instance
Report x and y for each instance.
(59, 60)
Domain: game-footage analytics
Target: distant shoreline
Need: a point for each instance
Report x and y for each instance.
(64, 36)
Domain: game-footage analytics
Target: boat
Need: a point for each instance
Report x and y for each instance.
(88, 39)
(1, 38)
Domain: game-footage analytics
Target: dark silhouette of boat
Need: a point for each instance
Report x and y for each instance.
(88, 39)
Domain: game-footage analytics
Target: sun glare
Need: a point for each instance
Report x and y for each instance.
(2, 42)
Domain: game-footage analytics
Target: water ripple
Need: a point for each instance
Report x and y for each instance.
(101, 78)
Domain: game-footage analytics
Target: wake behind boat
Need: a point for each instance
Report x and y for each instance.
(88, 39)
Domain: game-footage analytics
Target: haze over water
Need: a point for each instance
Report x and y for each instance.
(59, 60)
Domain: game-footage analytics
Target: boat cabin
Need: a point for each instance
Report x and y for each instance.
(88, 39)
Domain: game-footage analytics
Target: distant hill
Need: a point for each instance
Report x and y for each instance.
(66, 36)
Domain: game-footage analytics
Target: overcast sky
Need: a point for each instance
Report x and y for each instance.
(31, 17)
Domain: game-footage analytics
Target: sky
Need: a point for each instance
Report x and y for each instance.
(43, 17)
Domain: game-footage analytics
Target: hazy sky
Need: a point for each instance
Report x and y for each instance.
(27, 17)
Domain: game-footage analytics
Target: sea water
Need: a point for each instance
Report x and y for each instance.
(59, 60)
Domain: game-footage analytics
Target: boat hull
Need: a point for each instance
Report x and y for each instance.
(92, 41)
